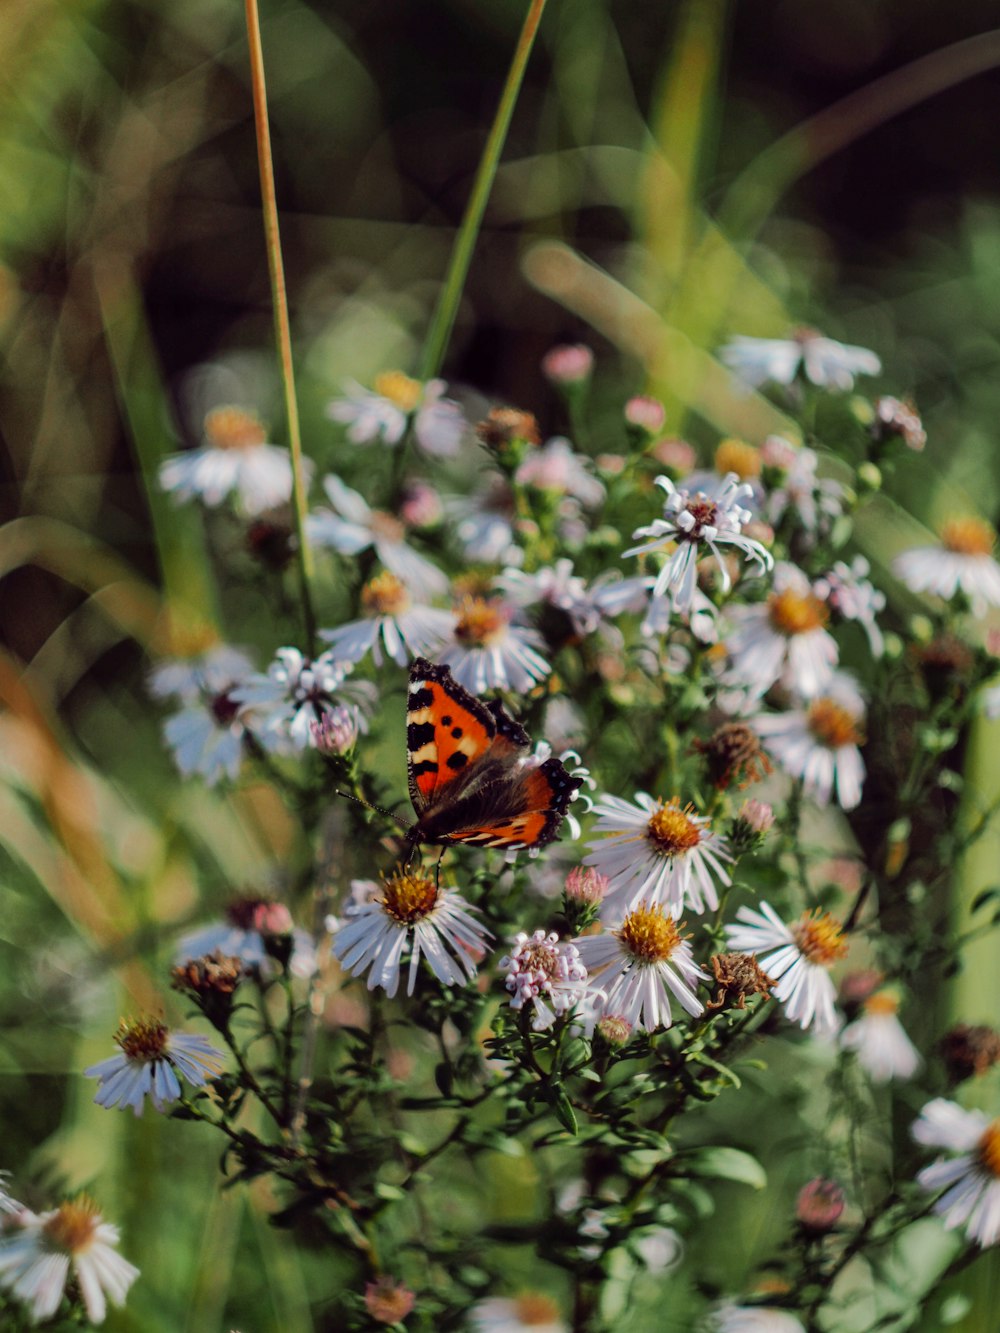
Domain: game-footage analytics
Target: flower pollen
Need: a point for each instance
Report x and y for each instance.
(968, 536)
(385, 595)
(791, 613)
(833, 725)
(739, 457)
(142, 1038)
(820, 938)
(404, 392)
(671, 830)
(233, 428)
(649, 934)
(480, 622)
(989, 1148)
(535, 1310)
(409, 897)
(71, 1228)
(883, 1002)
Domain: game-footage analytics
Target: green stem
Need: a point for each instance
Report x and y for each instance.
(282, 328)
(443, 320)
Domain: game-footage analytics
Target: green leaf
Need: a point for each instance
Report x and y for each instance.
(726, 1164)
(563, 1109)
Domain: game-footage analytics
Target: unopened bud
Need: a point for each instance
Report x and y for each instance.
(586, 885)
(336, 733)
(677, 457)
(615, 1030)
(820, 1205)
(388, 1301)
(751, 826)
(646, 415)
(568, 365)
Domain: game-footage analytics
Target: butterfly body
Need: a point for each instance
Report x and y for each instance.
(471, 774)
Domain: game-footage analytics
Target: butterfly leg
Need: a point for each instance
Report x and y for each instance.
(437, 869)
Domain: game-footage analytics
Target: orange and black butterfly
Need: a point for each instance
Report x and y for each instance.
(471, 778)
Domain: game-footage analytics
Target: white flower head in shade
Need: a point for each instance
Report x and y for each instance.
(814, 499)
(657, 852)
(755, 1319)
(555, 585)
(483, 523)
(558, 469)
(392, 622)
(250, 932)
(783, 639)
(639, 965)
(694, 525)
(487, 652)
(208, 671)
(352, 526)
(297, 691)
(206, 736)
(38, 1252)
(147, 1065)
(381, 416)
(883, 1049)
(531, 1312)
(819, 742)
(963, 563)
(235, 459)
(798, 957)
(971, 1181)
(545, 974)
(412, 914)
(828, 364)
(849, 593)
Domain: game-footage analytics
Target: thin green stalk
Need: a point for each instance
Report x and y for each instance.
(282, 328)
(443, 320)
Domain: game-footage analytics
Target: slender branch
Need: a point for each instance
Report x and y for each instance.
(282, 329)
(443, 320)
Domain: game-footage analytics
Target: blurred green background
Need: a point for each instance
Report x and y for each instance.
(673, 174)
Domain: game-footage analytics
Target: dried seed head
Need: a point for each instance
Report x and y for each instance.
(734, 756)
(969, 1049)
(739, 975)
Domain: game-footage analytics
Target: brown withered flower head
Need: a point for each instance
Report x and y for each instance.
(739, 975)
(968, 1049)
(211, 981)
(733, 756)
(507, 427)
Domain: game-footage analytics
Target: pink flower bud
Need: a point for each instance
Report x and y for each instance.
(586, 885)
(777, 453)
(420, 506)
(758, 815)
(820, 1204)
(272, 919)
(568, 364)
(677, 456)
(615, 1030)
(647, 414)
(388, 1301)
(336, 732)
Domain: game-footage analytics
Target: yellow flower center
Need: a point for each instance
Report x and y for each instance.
(532, 1310)
(792, 613)
(832, 724)
(176, 636)
(385, 595)
(480, 622)
(408, 897)
(399, 389)
(71, 1229)
(968, 536)
(142, 1038)
(883, 1002)
(233, 428)
(649, 934)
(820, 938)
(989, 1149)
(739, 457)
(672, 830)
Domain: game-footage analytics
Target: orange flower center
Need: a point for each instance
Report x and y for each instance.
(671, 830)
(968, 536)
(480, 622)
(792, 613)
(399, 389)
(649, 934)
(832, 724)
(820, 938)
(71, 1229)
(883, 1002)
(532, 1310)
(409, 897)
(385, 595)
(386, 526)
(142, 1038)
(233, 428)
(739, 457)
(989, 1149)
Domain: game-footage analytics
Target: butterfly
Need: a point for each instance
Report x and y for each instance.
(469, 782)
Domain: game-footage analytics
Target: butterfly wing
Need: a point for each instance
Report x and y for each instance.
(523, 808)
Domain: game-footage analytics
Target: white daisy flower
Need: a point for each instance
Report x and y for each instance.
(483, 523)
(412, 914)
(849, 593)
(248, 932)
(211, 671)
(657, 852)
(351, 526)
(148, 1063)
(531, 1312)
(818, 743)
(798, 958)
(296, 692)
(963, 563)
(546, 974)
(695, 525)
(383, 415)
(883, 1049)
(815, 500)
(558, 469)
(555, 585)
(826, 363)
(756, 1319)
(207, 735)
(639, 965)
(783, 639)
(391, 622)
(487, 652)
(234, 460)
(971, 1181)
(38, 1252)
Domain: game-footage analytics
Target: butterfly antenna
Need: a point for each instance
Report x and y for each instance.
(359, 800)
